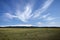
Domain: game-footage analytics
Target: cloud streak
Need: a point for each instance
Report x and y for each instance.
(47, 17)
(10, 16)
(24, 16)
(27, 13)
(45, 6)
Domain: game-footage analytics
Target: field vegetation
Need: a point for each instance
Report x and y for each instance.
(29, 33)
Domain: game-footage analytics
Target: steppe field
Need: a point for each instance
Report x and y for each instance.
(29, 33)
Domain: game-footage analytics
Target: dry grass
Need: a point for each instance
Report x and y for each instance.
(29, 33)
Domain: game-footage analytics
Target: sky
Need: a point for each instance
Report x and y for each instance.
(30, 12)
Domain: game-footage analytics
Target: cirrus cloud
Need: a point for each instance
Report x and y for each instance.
(27, 13)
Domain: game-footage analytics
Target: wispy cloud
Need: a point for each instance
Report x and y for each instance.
(27, 13)
(49, 24)
(10, 16)
(39, 24)
(52, 23)
(45, 6)
(45, 16)
(24, 16)
(50, 18)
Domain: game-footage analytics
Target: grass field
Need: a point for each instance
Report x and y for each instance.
(29, 33)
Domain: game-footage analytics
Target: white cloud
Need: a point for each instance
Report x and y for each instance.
(27, 13)
(52, 23)
(10, 16)
(45, 16)
(48, 24)
(50, 18)
(39, 24)
(45, 6)
(24, 16)
(27, 25)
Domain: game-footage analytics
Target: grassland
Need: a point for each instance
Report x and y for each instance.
(29, 33)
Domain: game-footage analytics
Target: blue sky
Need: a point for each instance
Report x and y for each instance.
(30, 12)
